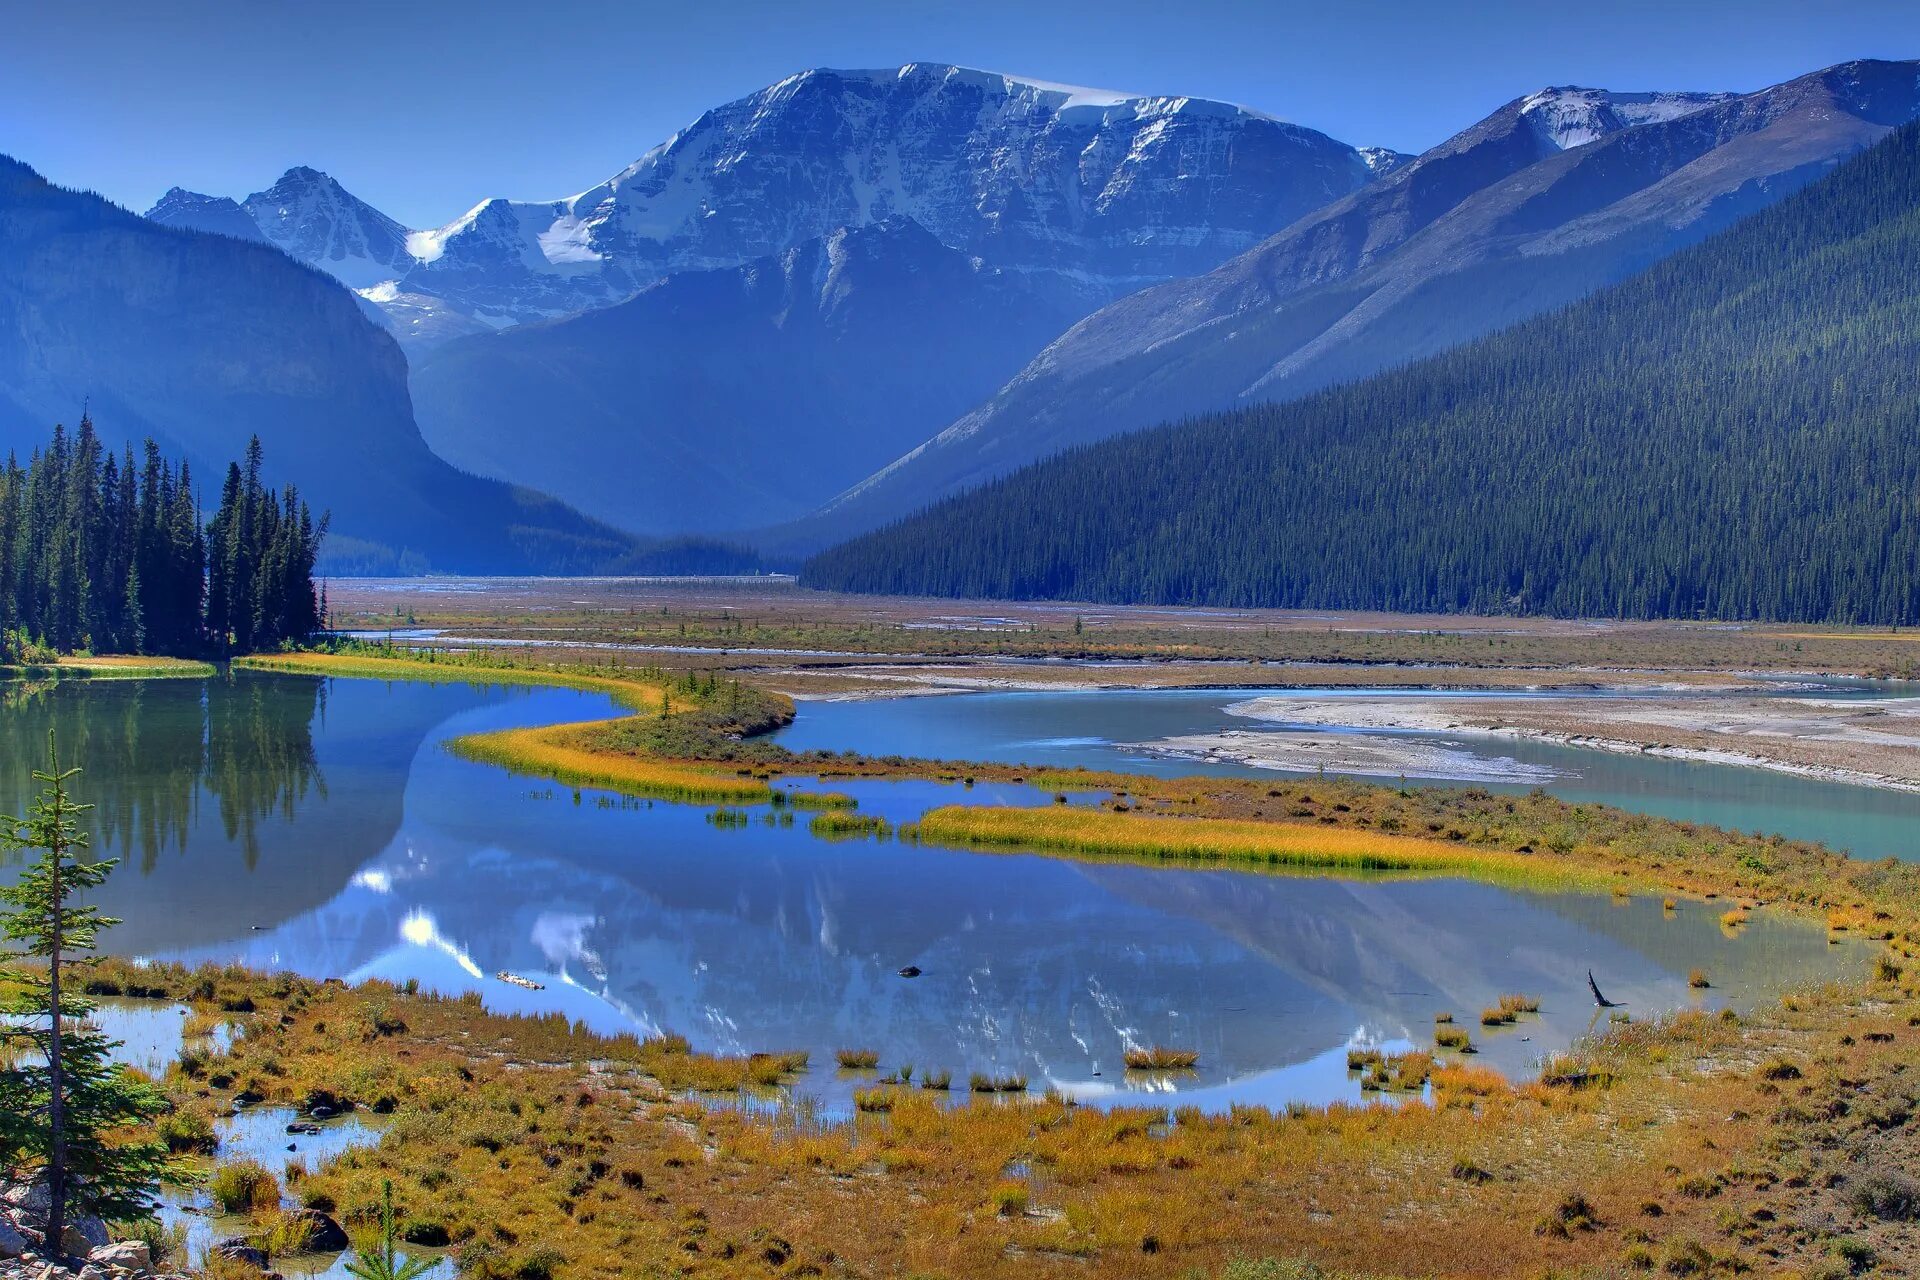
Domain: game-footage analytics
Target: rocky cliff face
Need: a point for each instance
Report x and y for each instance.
(1554, 195)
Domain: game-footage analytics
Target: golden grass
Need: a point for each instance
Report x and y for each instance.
(1160, 1058)
(817, 799)
(632, 693)
(1252, 844)
(840, 825)
(555, 752)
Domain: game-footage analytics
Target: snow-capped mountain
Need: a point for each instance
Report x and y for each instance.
(315, 219)
(1554, 195)
(309, 216)
(1103, 192)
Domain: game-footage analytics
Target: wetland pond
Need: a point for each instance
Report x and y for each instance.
(290, 822)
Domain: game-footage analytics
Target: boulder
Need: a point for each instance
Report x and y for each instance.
(126, 1255)
(12, 1243)
(324, 1235)
(82, 1236)
(237, 1250)
(33, 1198)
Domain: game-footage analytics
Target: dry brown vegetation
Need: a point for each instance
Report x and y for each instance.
(1758, 1144)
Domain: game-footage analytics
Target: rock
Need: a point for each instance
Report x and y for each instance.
(30, 1197)
(12, 1243)
(127, 1255)
(82, 1236)
(324, 1235)
(910, 971)
(302, 1127)
(91, 1272)
(237, 1250)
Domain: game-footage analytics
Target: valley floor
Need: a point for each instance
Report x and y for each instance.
(814, 645)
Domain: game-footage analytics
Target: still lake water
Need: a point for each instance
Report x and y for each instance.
(291, 822)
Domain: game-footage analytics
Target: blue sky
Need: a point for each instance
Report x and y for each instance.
(426, 109)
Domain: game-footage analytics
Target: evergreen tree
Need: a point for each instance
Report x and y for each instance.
(66, 1106)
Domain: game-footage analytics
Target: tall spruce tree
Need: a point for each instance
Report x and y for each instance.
(69, 1112)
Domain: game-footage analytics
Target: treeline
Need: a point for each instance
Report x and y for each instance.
(1733, 434)
(106, 552)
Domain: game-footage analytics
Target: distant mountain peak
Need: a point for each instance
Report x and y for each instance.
(195, 211)
(315, 219)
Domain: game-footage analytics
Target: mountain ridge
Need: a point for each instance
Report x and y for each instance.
(1103, 192)
(1497, 223)
(1726, 435)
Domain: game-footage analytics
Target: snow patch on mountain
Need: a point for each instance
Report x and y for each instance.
(1570, 116)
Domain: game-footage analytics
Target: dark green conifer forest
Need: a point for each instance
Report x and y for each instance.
(1733, 434)
(106, 553)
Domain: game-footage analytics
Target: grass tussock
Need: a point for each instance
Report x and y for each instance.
(817, 799)
(1103, 833)
(857, 1059)
(1160, 1058)
(1398, 1073)
(243, 1187)
(838, 825)
(983, 1082)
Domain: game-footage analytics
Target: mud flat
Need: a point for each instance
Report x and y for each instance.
(1363, 755)
(1864, 741)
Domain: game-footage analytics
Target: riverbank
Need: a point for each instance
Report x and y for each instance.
(110, 667)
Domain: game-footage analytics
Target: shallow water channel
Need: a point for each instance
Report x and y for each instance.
(319, 825)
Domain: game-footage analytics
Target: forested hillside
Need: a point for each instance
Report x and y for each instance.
(1731, 434)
